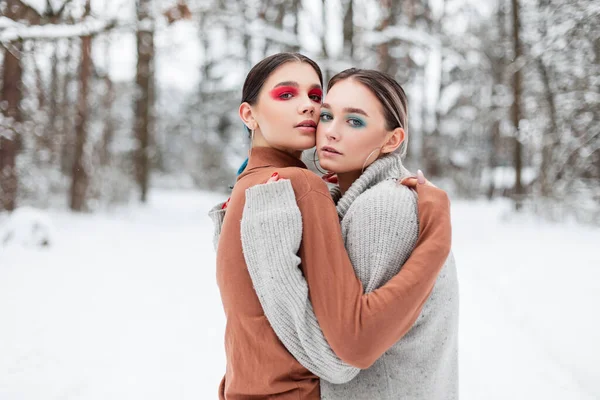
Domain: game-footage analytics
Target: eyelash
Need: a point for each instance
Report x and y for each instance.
(317, 98)
(358, 122)
(325, 115)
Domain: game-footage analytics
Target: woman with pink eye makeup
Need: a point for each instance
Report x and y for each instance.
(281, 102)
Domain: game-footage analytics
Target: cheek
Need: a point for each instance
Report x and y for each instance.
(362, 143)
(270, 119)
(320, 132)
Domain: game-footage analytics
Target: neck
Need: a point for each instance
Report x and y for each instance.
(259, 141)
(346, 179)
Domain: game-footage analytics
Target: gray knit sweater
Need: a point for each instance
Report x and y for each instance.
(380, 229)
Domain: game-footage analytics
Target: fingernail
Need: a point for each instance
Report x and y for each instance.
(224, 206)
(274, 175)
(420, 176)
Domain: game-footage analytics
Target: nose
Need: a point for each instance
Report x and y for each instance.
(307, 109)
(330, 132)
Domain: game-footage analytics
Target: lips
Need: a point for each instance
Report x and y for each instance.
(307, 124)
(329, 149)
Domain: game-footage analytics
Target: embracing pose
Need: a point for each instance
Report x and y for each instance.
(296, 309)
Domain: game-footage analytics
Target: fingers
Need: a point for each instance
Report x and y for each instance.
(224, 206)
(330, 177)
(420, 177)
(411, 182)
(273, 178)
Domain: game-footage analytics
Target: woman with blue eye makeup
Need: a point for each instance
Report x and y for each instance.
(272, 349)
(361, 137)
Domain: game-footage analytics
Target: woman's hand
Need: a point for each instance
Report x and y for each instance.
(273, 178)
(330, 177)
(224, 206)
(413, 181)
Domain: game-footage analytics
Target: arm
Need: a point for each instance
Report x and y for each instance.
(350, 320)
(280, 286)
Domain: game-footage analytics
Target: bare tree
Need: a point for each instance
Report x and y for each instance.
(385, 60)
(144, 97)
(516, 106)
(11, 96)
(79, 173)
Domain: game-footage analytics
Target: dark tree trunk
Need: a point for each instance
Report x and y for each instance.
(144, 99)
(516, 107)
(79, 177)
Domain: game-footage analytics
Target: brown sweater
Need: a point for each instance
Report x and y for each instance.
(258, 365)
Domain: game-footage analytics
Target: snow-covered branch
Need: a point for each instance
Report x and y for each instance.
(88, 27)
(403, 33)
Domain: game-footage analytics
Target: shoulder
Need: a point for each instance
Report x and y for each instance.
(304, 182)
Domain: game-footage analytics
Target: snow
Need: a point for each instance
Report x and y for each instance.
(27, 227)
(37, 5)
(124, 305)
(504, 177)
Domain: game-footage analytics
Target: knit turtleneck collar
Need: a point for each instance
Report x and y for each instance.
(388, 167)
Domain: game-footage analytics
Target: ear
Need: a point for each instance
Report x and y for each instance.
(247, 116)
(394, 141)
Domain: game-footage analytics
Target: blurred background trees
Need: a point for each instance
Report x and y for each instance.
(102, 100)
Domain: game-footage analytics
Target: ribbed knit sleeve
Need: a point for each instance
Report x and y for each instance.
(217, 214)
(271, 236)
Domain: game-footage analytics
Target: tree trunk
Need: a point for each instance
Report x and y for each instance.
(551, 139)
(53, 106)
(385, 61)
(144, 98)
(516, 107)
(9, 143)
(11, 95)
(79, 177)
(498, 69)
(326, 64)
(65, 136)
(349, 29)
(109, 122)
(296, 10)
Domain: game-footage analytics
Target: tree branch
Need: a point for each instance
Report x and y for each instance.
(88, 27)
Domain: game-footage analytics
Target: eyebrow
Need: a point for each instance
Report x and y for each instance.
(286, 83)
(295, 84)
(349, 110)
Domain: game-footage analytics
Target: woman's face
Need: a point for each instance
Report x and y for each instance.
(352, 128)
(288, 106)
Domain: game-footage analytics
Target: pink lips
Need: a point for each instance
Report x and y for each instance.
(328, 150)
(307, 127)
(307, 124)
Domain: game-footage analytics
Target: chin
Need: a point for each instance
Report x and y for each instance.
(330, 166)
(304, 143)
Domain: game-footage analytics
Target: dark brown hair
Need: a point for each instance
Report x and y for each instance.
(389, 93)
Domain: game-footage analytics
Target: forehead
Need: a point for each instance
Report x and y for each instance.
(294, 71)
(352, 94)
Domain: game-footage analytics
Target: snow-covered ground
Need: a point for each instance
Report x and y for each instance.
(125, 306)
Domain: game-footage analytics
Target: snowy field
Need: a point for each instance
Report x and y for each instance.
(124, 306)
